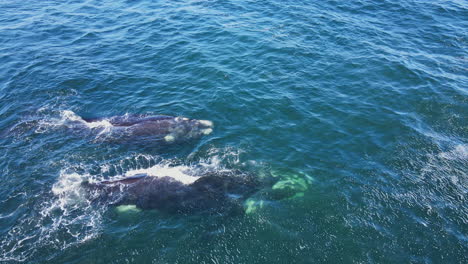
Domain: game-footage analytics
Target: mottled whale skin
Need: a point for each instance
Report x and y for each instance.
(210, 192)
(167, 129)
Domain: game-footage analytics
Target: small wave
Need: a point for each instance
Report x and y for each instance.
(68, 190)
(459, 152)
(61, 220)
(68, 118)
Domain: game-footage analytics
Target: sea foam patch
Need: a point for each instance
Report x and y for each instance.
(180, 173)
(68, 118)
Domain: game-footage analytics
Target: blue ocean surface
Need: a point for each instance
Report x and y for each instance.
(358, 109)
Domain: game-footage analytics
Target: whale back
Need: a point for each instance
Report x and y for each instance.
(209, 192)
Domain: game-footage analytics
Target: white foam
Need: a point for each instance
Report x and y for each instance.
(68, 115)
(99, 124)
(180, 173)
(66, 183)
(459, 152)
(70, 118)
(67, 217)
(69, 193)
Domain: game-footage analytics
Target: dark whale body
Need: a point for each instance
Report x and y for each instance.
(211, 192)
(145, 128)
(129, 120)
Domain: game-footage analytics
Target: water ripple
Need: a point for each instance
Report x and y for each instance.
(368, 98)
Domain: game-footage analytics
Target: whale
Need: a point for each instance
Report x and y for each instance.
(211, 192)
(143, 128)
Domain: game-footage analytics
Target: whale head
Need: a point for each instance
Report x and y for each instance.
(184, 129)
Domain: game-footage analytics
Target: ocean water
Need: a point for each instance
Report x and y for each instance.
(358, 107)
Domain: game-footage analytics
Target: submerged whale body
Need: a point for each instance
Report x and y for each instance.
(146, 128)
(209, 192)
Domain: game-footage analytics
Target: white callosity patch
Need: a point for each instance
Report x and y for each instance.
(181, 118)
(207, 123)
(180, 130)
(207, 131)
(169, 138)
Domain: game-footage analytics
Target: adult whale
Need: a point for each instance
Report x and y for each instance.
(211, 191)
(145, 128)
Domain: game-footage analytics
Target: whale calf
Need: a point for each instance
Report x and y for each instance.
(211, 191)
(146, 128)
